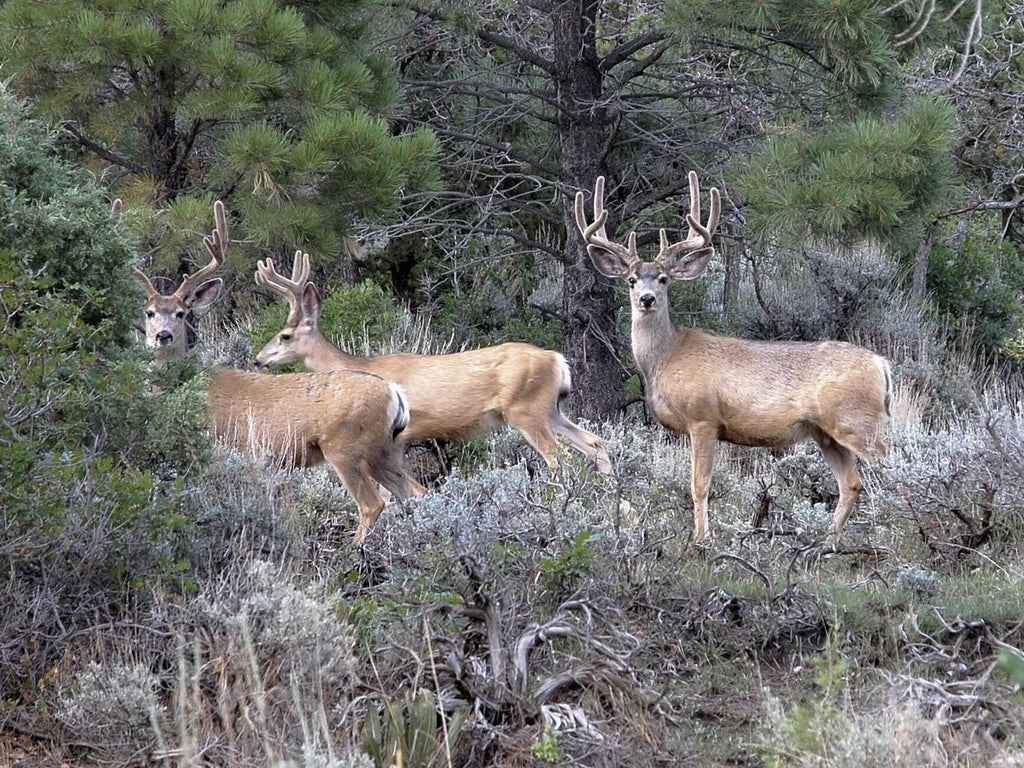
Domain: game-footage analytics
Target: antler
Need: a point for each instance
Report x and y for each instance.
(116, 208)
(594, 234)
(268, 277)
(216, 245)
(699, 235)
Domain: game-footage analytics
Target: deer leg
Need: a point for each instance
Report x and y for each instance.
(413, 487)
(861, 433)
(587, 443)
(843, 463)
(702, 454)
(388, 471)
(538, 434)
(356, 478)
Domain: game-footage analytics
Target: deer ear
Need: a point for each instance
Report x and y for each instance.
(690, 265)
(203, 296)
(607, 262)
(310, 302)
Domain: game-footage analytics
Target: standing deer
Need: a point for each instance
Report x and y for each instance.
(755, 393)
(451, 397)
(348, 418)
(167, 315)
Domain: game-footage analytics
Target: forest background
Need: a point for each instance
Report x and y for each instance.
(869, 157)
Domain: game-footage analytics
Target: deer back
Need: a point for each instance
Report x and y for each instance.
(296, 417)
(462, 394)
(770, 394)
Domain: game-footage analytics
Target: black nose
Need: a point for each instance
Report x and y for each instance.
(647, 300)
(164, 337)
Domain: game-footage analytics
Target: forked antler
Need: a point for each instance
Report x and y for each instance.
(216, 245)
(699, 235)
(268, 277)
(594, 234)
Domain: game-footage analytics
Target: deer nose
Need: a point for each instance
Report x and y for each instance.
(647, 300)
(164, 337)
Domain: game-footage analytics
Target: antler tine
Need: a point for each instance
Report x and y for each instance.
(300, 269)
(699, 235)
(268, 277)
(217, 242)
(594, 233)
(216, 246)
(147, 284)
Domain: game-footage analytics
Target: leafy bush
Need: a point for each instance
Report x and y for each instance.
(85, 524)
(978, 276)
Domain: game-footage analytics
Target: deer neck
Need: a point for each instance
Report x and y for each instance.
(324, 355)
(653, 337)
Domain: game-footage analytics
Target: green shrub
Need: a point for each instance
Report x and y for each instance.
(978, 276)
(87, 530)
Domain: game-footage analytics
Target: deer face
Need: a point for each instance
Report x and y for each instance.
(300, 336)
(166, 331)
(648, 287)
(290, 345)
(167, 319)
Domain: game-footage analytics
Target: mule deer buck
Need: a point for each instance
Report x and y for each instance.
(167, 315)
(452, 396)
(756, 393)
(349, 419)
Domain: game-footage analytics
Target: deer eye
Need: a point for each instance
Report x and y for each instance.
(179, 314)
(150, 313)
(286, 337)
(632, 281)
(662, 279)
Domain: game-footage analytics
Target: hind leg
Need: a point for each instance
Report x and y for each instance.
(843, 463)
(538, 434)
(587, 443)
(390, 473)
(355, 476)
(413, 487)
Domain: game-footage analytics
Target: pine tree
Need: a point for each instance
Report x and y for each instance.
(544, 97)
(178, 102)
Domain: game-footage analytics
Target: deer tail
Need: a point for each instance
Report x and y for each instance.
(400, 417)
(887, 383)
(565, 378)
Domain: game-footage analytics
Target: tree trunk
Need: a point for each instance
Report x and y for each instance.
(730, 254)
(919, 276)
(589, 304)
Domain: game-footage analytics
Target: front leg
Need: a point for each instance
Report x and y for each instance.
(703, 441)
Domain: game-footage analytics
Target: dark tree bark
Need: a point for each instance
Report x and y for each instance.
(588, 299)
(919, 275)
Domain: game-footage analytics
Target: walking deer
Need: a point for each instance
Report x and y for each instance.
(754, 393)
(349, 419)
(451, 397)
(167, 315)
